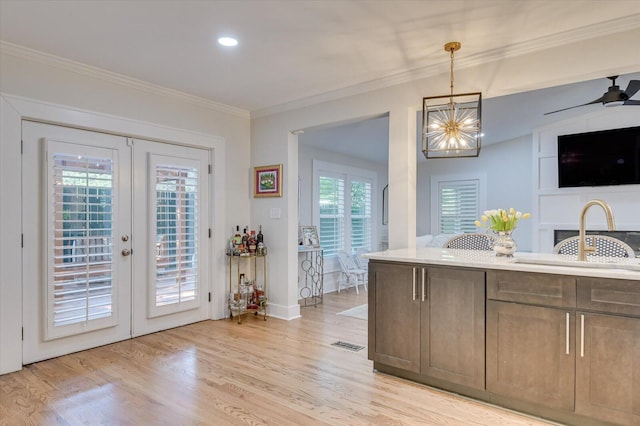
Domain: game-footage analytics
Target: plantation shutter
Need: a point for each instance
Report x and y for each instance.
(332, 212)
(80, 202)
(459, 206)
(360, 214)
(176, 229)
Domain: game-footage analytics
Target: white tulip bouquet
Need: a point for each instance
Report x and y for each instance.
(501, 220)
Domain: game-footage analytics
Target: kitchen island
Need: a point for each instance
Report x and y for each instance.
(537, 333)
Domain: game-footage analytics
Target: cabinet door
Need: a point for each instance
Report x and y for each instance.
(608, 368)
(452, 325)
(394, 326)
(531, 353)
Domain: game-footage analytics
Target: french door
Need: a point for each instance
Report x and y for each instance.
(171, 235)
(114, 237)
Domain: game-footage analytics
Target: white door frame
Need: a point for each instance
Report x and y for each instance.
(13, 109)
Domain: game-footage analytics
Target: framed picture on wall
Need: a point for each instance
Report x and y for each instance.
(267, 181)
(309, 236)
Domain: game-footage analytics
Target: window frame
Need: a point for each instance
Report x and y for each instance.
(349, 174)
(435, 206)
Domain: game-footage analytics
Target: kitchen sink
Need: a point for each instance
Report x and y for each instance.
(572, 261)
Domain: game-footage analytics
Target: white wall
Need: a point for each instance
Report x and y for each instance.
(508, 168)
(149, 112)
(271, 141)
(306, 155)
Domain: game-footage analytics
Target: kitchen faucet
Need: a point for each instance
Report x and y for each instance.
(583, 248)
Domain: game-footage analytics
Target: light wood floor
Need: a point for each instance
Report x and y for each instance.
(218, 373)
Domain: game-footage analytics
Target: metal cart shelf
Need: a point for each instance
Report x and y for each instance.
(247, 286)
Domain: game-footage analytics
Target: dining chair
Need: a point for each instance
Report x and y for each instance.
(350, 272)
(471, 241)
(605, 246)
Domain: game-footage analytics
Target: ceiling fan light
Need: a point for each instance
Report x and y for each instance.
(614, 104)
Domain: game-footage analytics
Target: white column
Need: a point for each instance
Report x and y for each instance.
(402, 177)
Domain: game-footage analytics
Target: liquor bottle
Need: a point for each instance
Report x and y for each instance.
(237, 238)
(245, 238)
(260, 237)
(230, 243)
(252, 242)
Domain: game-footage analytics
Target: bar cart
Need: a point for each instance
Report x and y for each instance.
(247, 285)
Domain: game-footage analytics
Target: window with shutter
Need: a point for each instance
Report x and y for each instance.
(456, 204)
(331, 214)
(343, 207)
(360, 215)
(80, 202)
(176, 230)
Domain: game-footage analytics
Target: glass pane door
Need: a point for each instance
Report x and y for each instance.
(76, 191)
(170, 277)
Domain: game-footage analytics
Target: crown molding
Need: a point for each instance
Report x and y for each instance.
(26, 53)
(602, 29)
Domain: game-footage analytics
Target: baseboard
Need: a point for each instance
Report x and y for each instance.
(283, 312)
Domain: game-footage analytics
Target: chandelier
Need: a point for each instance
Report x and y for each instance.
(451, 124)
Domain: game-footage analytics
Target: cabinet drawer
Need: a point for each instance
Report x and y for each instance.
(532, 288)
(609, 295)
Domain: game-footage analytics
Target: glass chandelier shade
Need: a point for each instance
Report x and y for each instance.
(451, 124)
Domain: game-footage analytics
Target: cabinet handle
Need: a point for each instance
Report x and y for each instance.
(567, 333)
(582, 336)
(414, 283)
(424, 293)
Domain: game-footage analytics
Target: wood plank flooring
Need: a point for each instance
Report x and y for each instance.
(221, 373)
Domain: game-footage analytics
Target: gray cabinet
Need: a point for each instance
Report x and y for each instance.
(452, 325)
(428, 320)
(608, 357)
(531, 348)
(567, 343)
(608, 368)
(530, 356)
(394, 323)
(563, 347)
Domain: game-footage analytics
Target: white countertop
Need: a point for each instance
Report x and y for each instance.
(601, 267)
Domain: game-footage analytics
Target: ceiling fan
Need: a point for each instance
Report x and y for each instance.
(613, 96)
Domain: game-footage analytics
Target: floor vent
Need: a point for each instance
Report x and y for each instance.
(349, 346)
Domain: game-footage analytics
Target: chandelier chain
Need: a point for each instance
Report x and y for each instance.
(452, 50)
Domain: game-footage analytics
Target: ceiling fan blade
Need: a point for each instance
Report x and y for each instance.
(595, 101)
(631, 102)
(632, 88)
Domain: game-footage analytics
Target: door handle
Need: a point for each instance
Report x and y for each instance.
(567, 333)
(582, 336)
(127, 252)
(414, 284)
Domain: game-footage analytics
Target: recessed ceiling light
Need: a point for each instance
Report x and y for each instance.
(227, 41)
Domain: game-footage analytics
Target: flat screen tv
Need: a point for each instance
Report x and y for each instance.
(608, 157)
